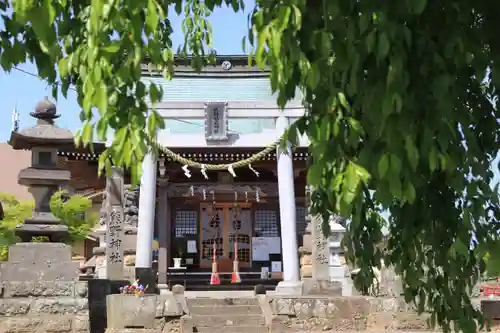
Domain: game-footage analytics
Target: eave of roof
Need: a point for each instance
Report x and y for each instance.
(239, 67)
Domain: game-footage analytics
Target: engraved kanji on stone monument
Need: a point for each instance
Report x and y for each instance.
(320, 251)
(115, 225)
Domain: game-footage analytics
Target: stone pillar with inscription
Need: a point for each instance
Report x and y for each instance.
(316, 261)
(320, 251)
(115, 225)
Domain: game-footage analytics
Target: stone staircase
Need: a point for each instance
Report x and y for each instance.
(227, 315)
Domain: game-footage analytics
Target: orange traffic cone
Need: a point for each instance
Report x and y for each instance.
(214, 277)
(235, 277)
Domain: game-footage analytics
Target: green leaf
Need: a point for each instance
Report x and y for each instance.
(313, 77)
(112, 47)
(410, 194)
(152, 15)
(383, 45)
(395, 186)
(383, 165)
(64, 67)
(362, 173)
(102, 128)
(356, 126)
(297, 15)
(364, 21)
(370, 41)
(395, 164)
(155, 93)
(412, 153)
(433, 159)
(343, 101)
(292, 135)
(283, 17)
(314, 174)
(351, 179)
(461, 248)
(419, 6)
(87, 134)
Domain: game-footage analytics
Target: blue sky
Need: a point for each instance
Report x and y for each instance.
(22, 91)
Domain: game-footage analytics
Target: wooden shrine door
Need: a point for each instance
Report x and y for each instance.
(223, 226)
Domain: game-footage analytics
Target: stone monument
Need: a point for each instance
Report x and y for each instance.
(314, 259)
(113, 241)
(41, 261)
(114, 228)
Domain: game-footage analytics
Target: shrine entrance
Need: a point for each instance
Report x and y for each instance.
(229, 226)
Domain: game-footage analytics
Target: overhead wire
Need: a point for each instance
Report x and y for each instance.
(191, 163)
(73, 89)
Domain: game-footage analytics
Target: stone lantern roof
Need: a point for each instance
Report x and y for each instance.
(337, 231)
(45, 132)
(336, 222)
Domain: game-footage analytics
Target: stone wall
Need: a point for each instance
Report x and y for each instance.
(344, 314)
(37, 307)
(348, 314)
(62, 307)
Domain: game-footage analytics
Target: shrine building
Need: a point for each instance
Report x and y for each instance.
(223, 115)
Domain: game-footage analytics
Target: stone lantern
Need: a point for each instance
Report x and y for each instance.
(46, 261)
(43, 177)
(337, 269)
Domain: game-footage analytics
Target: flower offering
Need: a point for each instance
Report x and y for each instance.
(133, 289)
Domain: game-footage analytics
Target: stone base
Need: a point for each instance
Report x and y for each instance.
(163, 289)
(43, 218)
(321, 287)
(348, 289)
(39, 262)
(130, 311)
(55, 232)
(289, 288)
(337, 273)
(99, 262)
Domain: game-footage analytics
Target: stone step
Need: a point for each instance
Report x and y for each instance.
(217, 321)
(234, 329)
(224, 309)
(205, 301)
